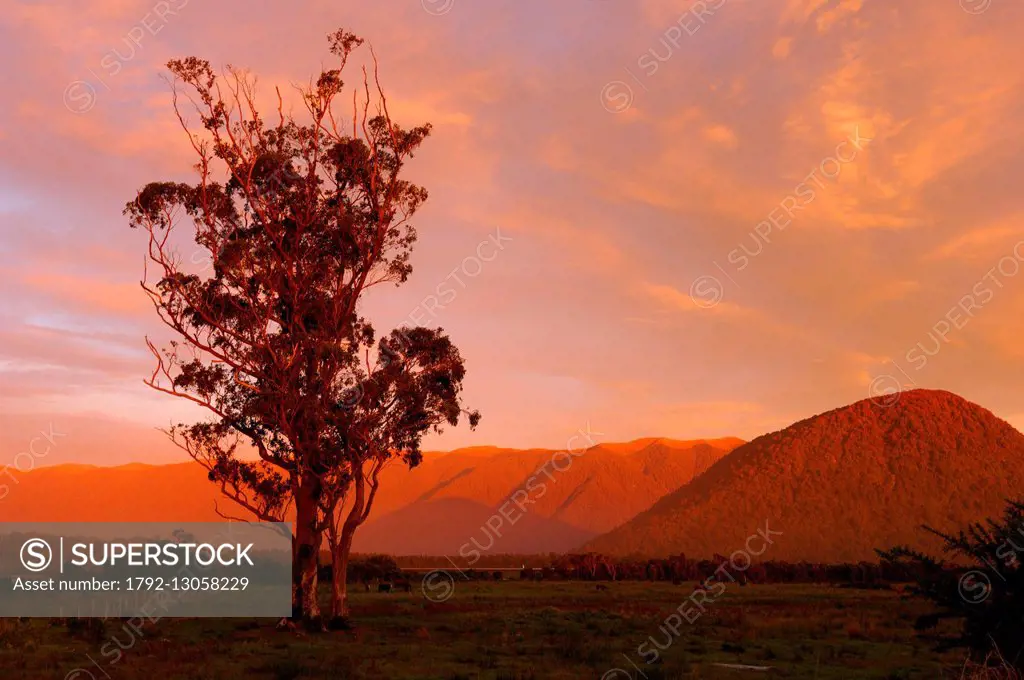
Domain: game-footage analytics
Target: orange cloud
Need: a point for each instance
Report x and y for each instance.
(617, 219)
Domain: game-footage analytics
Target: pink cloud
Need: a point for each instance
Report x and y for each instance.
(613, 216)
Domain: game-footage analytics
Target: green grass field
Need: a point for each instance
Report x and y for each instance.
(509, 631)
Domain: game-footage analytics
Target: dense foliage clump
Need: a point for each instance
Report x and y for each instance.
(986, 597)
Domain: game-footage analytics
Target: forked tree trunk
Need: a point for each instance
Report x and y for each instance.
(342, 549)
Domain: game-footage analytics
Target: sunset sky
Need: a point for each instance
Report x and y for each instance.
(713, 221)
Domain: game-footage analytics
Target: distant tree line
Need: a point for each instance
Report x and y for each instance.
(597, 567)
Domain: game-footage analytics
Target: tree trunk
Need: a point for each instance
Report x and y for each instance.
(340, 553)
(339, 587)
(306, 554)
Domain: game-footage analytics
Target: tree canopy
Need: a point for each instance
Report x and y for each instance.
(301, 216)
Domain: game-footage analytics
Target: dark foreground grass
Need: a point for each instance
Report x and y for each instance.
(509, 631)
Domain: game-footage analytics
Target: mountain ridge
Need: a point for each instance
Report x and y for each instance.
(920, 457)
(586, 494)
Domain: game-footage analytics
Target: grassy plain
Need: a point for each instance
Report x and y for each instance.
(509, 630)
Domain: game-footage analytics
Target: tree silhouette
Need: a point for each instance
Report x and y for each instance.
(986, 597)
(300, 218)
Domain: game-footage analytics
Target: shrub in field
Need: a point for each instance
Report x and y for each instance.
(986, 597)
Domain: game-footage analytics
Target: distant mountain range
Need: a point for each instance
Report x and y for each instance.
(837, 486)
(439, 507)
(841, 484)
(445, 504)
